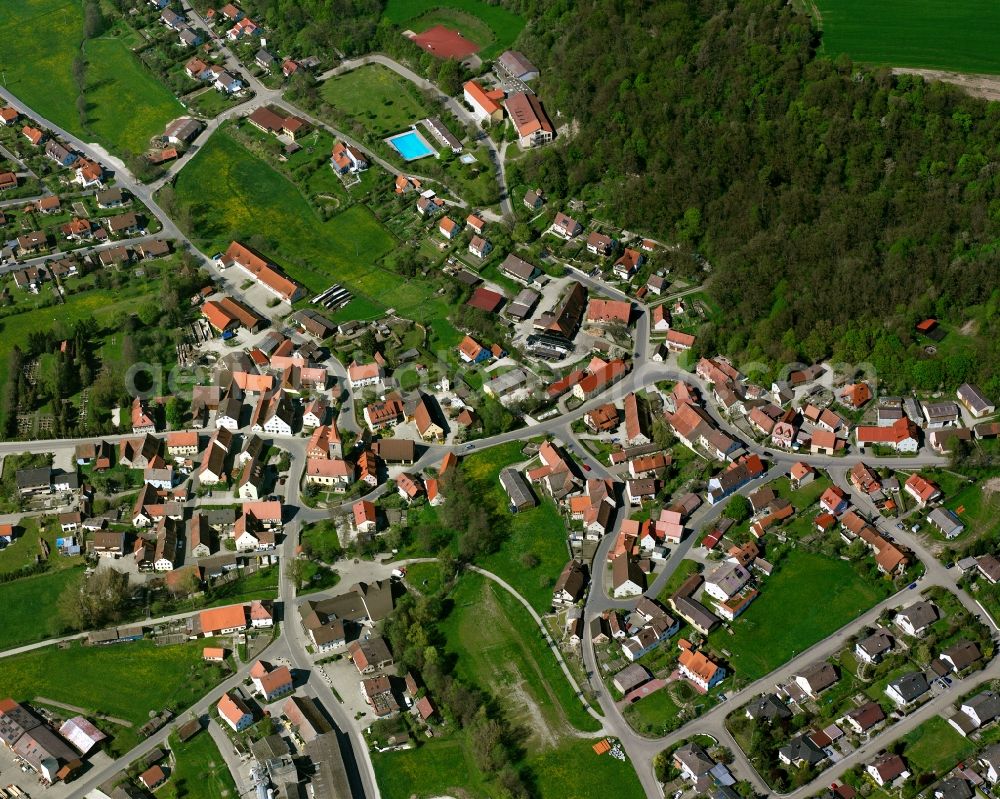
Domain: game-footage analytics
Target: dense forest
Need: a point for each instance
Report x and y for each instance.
(837, 205)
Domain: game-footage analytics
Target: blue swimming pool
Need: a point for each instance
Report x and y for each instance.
(411, 145)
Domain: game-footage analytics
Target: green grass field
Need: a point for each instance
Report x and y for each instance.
(232, 194)
(126, 680)
(499, 647)
(38, 62)
(492, 27)
(115, 81)
(767, 635)
(199, 770)
(539, 531)
(935, 746)
(38, 65)
(30, 603)
(656, 714)
(377, 97)
(959, 35)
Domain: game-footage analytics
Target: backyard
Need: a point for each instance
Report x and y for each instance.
(377, 97)
(935, 746)
(199, 770)
(767, 635)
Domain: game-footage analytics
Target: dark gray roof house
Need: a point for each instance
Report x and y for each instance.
(767, 707)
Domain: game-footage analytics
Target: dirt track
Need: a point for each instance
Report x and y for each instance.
(985, 86)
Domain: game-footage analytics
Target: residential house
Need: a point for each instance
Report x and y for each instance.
(907, 689)
(234, 711)
(698, 668)
(816, 678)
(921, 489)
(628, 264)
(566, 226)
(916, 619)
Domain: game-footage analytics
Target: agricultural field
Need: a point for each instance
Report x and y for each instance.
(112, 681)
(492, 27)
(377, 97)
(198, 766)
(38, 65)
(958, 36)
(767, 635)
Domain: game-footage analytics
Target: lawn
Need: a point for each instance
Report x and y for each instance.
(958, 35)
(198, 768)
(38, 62)
(499, 647)
(376, 96)
(30, 607)
(116, 80)
(424, 577)
(125, 680)
(656, 714)
(802, 498)
(575, 771)
(38, 67)
(436, 768)
(828, 594)
(935, 746)
(979, 512)
(504, 26)
(22, 552)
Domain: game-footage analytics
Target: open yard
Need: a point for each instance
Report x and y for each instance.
(199, 770)
(767, 635)
(492, 27)
(377, 97)
(30, 607)
(38, 61)
(935, 746)
(498, 647)
(38, 66)
(656, 714)
(959, 35)
(116, 80)
(125, 680)
(227, 193)
(978, 509)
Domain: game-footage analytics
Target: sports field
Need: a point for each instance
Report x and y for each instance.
(38, 69)
(492, 27)
(958, 35)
